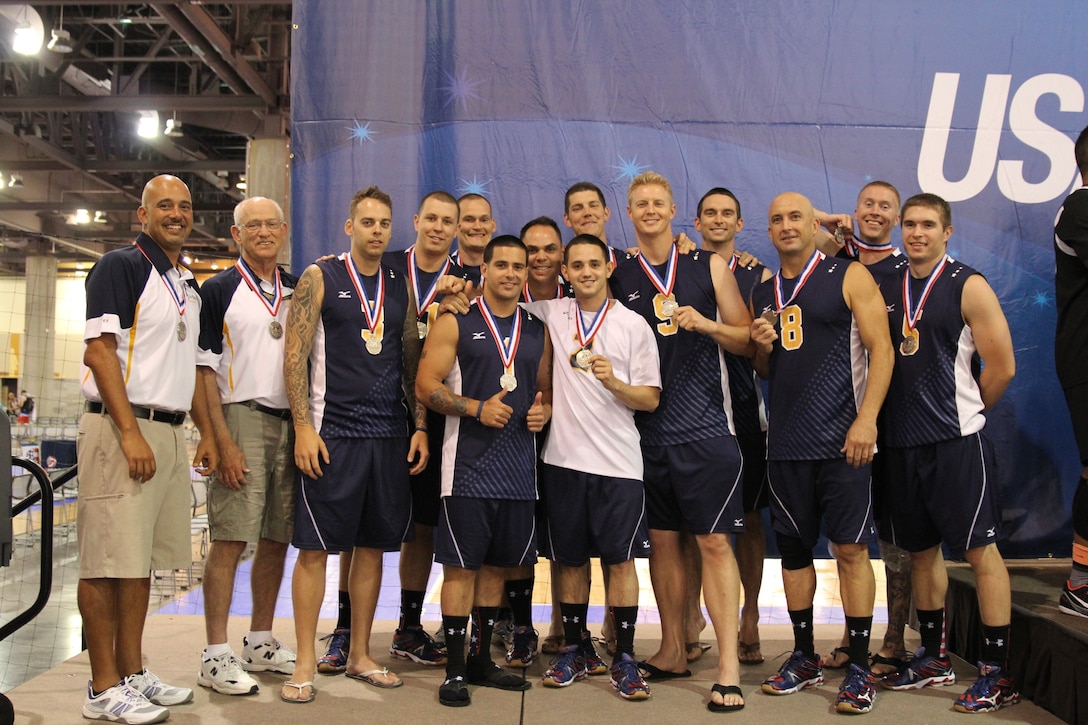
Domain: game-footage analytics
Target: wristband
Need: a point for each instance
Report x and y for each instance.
(480, 410)
(420, 430)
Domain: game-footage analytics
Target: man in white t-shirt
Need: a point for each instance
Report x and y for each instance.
(605, 367)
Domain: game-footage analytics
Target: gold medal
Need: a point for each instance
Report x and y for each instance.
(275, 329)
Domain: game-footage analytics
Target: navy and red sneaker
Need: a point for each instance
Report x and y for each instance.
(992, 690)
(799, 671)
(857, 691)
(922, 671)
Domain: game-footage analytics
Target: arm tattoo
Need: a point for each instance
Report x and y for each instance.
(445, 402)
(302, 321)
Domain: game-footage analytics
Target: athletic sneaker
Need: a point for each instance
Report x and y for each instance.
(122, 704)
(413, 643)
(857, 691)
(523, 648)
(225, 674)
(269, 656)
(799, 671)
(594, 664)
(158, 691)
(1074, 600)
(627, 680)
(335, 659)
(439, 636)
(922, 671)
(503, 633)
(567, 668)
(992, 690)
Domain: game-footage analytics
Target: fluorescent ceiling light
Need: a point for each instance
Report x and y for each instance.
(148, 125)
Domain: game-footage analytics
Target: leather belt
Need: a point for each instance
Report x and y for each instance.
(274, 412)
(159, 416)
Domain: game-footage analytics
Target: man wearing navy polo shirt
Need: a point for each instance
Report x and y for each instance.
(139, 378)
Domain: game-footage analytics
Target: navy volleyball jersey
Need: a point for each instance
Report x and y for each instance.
(749, 417)
(818, 366)
(934, 394)
(353, 393)
(482, 462)
(695, 402)
(886, 267)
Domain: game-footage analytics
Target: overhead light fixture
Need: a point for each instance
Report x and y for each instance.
(100, 217)
(241, 185)
(82, 216)
(148, 125)
(173, 128)
(61, 42)
(29, 31)
(15, 181)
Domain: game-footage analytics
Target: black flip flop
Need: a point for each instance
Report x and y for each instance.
(495, 676)
(650, 672)
(724, 690)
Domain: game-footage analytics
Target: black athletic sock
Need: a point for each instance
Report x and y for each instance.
(574, 621)
(995, 645)
(484, 619)
(455, 629)
(411, 608)
(343, 612)
(859, 628)
(931, 627)
(802, 631)
(520, 594)
(623, 624)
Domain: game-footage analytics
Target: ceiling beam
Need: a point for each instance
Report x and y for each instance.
(153, 101)
(118, 166)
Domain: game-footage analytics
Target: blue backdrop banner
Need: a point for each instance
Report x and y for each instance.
(978, 101)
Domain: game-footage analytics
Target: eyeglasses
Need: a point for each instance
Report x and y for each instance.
(255, 225)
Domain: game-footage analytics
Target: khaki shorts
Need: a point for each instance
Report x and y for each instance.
(264, 508)
(127, 528)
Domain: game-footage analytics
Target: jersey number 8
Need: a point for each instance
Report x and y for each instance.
(791, 334)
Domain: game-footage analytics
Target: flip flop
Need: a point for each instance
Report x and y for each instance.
(695, 650)
(829, 663)
(300, 700)
(879, 660)
(369, 677)
(749, 654)
(651, 672)
(724, 690)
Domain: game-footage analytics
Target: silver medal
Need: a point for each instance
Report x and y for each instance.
(909, 346)
(770, 317)
(508, 382)
(275, 329)
(421, 328)
(581, 358)
(374, 346)
(669, 307)
(182, 331)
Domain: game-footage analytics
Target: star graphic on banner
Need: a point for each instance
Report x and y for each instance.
(473, 186)
(1042, 299)
(460, 89)
(629, 169)
(361, 132)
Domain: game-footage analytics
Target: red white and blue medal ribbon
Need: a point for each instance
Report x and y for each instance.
(911, 315)
(508, 349)
(372, 310)
(424, 300)
(864, 246)
(733, 262)
(664, 286)
(179, 299)
(255, 285)
(529, 295)
(806, 273)
(586, 334)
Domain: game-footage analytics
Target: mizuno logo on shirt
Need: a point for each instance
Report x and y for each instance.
(343, 294)
(479, 336)
(633, 296)
(891, 308)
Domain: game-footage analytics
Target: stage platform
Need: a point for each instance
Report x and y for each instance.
(173, 644)
(1048, 651)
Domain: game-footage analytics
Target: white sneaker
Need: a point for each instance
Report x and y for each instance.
(270, 656)
(158, 691)
(122, 704)
(225, 674)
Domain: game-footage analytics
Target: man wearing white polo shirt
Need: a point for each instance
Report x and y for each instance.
(139, 378)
